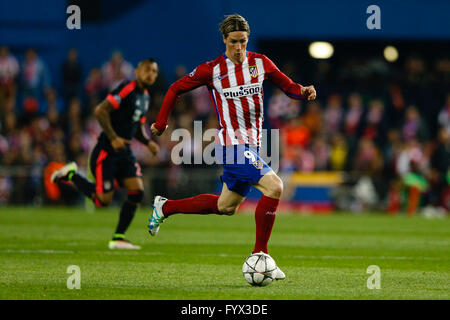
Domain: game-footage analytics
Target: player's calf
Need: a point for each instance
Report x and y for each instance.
(127, 212)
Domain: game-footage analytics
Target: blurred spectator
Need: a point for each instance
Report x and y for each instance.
(368, 160)
(91, 133)
(54, 117)
(413, 126)
(338, 153)
(52, 101)
(295, 133)
(74, 146)
(295, 136)
(11, 139)
(313, 118)
(184, 103)
(444, 115)
(411, 158)
(416, 79)
(73, 118)
(411, 168)
(93, 86)
(198, 100)
(375, 122)
(321, 152)
(180, 71)
(297, 158)
(71, 75)
(35, 80)
(116, 70)
(368, 164)
(440, 170)
(202, 103)
(398, 104)
(333, 114)
(9, 70)
(281, 108)
(304, 159)
(391, 151)
(353, 117)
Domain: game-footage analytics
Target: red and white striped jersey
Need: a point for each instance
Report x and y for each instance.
(236, 92)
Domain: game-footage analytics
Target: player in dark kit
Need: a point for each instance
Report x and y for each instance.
(122, 116)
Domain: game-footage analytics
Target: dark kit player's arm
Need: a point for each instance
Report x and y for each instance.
(143, 135)
(102, 113)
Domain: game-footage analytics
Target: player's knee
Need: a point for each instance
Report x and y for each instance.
(102, 201)
(276, 188)
(227, 210)
(135, 196)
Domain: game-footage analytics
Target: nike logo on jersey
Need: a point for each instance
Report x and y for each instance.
(220, 78)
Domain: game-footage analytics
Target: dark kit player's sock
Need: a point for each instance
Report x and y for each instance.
(201, 204)
(87, 188)
(125, 217)
(83, 184)
(264, 218)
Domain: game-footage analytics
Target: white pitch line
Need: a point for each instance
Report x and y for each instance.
(369, 257)
(36, 251)
(132, 252)
(224, 255)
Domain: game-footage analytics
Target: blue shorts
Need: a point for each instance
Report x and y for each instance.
(242, 166)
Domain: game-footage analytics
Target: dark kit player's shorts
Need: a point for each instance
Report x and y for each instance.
(107, 165)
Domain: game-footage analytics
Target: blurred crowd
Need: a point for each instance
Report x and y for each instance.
(387, 128)
(390, 126)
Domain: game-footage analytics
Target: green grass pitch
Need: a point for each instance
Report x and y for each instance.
(200, 257)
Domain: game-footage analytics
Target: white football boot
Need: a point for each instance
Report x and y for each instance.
(65, 173)
(157, 217)
(279, 274)
(122, 244)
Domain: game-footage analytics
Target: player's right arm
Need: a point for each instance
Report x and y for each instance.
(201, 75)
(102, 113)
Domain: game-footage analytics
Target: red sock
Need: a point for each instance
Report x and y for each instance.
(201, 204)
(264, 218)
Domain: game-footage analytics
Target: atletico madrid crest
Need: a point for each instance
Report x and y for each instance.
(253, 71)
(258, 164)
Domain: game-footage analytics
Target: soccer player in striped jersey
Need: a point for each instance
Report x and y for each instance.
(234, 81)
(122, 116)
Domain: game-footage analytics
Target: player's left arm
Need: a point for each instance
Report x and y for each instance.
(289, 87)
(143, 135)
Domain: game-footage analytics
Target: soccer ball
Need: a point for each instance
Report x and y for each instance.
(259, 269)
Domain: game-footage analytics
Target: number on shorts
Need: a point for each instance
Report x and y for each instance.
(250, 156)
(138, 169)
(137, 115)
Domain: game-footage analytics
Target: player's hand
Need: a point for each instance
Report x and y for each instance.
(309, 92)
(155, 131)
(153, 147)
(119, 143)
